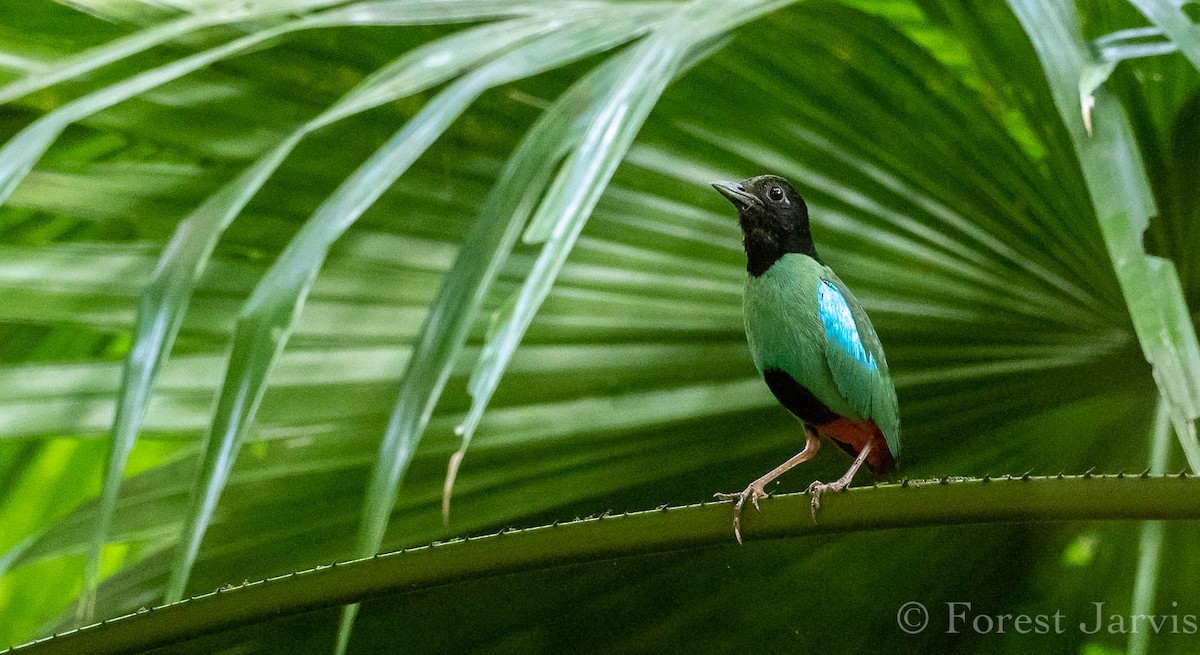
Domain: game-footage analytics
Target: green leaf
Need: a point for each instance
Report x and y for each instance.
(19, 155)
(576, 190)
(94, 58)
(1173, 22)
(269, 315)
(165, 300)
(1130, 44)
(1151, 540)
(571, 199)
(1123, 205)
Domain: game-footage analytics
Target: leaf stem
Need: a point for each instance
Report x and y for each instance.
(946, 501)
(1150, 543)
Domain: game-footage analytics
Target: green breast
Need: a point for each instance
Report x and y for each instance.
(785, 331)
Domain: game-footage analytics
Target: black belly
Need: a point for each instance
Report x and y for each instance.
(799, 401)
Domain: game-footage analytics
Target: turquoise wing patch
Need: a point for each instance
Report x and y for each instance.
(840, 330)
(856, 359)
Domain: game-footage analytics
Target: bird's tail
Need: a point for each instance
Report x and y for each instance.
(853, 436)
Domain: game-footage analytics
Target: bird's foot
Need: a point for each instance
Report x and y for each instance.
(753, 493)
(817, 488)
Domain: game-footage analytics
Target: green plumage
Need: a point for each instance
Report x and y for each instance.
(785, 331)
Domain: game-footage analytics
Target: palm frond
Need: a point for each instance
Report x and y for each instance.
(1124, 204)
(185, 185)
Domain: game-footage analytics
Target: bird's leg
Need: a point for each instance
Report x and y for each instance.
(817, 487)
(757, 489)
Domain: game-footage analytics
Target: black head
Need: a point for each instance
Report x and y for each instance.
(773, 218)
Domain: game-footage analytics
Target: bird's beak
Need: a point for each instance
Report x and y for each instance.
(736, 194)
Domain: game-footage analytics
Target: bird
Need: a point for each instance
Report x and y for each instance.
(811, 341)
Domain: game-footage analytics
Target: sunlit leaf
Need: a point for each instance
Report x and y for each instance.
(266, 320)
(165, 299)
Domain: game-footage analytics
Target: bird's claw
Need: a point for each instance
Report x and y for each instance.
(753, 492)
(817, 488)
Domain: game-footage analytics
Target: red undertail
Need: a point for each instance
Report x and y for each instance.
(853, 436)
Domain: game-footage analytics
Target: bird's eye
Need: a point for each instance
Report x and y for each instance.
(775, 193)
